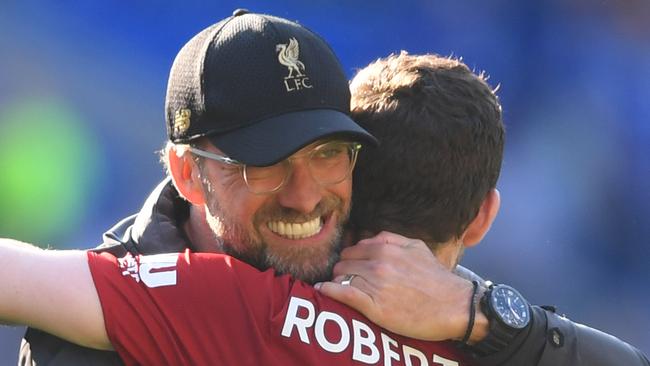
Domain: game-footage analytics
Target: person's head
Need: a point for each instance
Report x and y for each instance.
(261, 142)
(441, 133)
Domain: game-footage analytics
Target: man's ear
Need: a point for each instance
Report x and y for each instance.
(477, 229)
(186, 176)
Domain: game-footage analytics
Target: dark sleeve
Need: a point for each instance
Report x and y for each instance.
(43, 349)
(553, 340)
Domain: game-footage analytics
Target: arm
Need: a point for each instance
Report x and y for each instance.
(553, 340)
(399, 277)
(67, 304)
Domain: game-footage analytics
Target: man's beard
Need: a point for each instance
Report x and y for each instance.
(310, 264)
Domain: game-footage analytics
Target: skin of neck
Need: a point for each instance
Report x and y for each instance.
(199, 232)
(449, 254)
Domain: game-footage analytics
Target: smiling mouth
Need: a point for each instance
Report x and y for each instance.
(293, 230)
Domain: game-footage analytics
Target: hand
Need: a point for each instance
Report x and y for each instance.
(401, 286)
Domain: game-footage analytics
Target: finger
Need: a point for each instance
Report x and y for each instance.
(391, 239)
(387, 237)
(358, 251)
(374, 251)
(369, 248)
(402, 241)
(346, 279)
(348, 295)
(360, 267)
(339, 278)
(358, 281)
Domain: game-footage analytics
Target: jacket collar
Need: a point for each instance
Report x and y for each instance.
(156, 228)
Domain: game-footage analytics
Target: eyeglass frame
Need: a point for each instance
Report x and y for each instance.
(353, 146)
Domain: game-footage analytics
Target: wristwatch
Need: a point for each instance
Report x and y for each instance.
(508, 314)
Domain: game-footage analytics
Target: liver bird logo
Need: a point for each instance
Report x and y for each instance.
(288, 56)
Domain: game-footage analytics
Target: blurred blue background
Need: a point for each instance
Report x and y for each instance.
(82, 88)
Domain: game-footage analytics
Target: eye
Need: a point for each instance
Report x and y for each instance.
(267, 172)
(330, 151)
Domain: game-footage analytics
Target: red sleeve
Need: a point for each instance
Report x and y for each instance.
(211, 309)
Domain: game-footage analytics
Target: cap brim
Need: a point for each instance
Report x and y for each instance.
(274, 139)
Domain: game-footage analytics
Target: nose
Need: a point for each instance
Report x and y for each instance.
(301, 193)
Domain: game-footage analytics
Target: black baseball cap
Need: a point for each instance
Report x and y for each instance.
(259, 88)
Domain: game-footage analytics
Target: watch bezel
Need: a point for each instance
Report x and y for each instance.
(502, 293)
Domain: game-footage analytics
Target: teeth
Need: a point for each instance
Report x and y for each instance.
(296, 230)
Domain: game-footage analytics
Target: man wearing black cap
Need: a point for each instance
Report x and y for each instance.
(255, 107)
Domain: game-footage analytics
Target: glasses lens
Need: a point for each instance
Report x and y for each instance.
(331, 163)
(266, 179)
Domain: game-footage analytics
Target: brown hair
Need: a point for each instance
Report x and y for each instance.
(442, 136)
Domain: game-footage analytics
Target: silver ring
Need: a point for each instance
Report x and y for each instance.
(347, 279)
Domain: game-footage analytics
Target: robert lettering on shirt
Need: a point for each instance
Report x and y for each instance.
(332, 333)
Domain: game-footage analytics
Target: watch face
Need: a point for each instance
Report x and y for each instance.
(510, 306)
